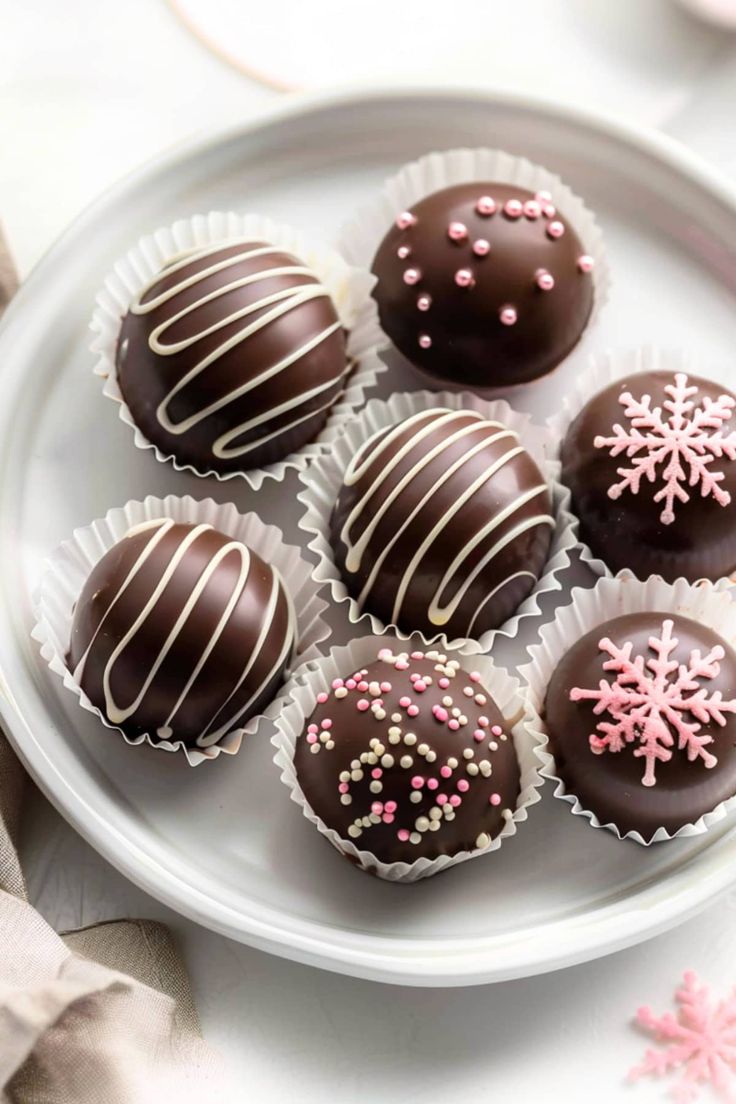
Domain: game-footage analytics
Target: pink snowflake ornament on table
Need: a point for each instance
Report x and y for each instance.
(677, 445)
(700, 1041)
(656, 704)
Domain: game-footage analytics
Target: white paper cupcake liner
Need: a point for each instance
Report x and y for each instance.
(600, 371)
(323, 480)
(707, 603)
(349, 287)
(70, 565)
(317, 675)
(360, 238)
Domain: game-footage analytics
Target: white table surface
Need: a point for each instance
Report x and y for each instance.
(88, 90)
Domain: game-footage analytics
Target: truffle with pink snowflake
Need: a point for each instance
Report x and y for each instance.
(698, 1044)
(655, 705)
(679, 445)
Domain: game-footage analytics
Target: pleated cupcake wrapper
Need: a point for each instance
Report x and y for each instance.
(360, 238)
(317, 675)
(600, 372)
(707, 603)
(323, 480)
(69, 567)
(349, 287)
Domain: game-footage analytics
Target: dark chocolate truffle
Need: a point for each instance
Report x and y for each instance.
(409, 757)
(231, 357)
(443, 524)
(651, 465)
(483, 284)
(640, 714)
(181, 632)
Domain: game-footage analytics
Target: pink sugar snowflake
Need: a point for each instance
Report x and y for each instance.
(680, 446)
(651, 700)
(701, 1042)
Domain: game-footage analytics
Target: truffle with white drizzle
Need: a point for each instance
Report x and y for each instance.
(231, 356)
(181, 632)
(443, 524)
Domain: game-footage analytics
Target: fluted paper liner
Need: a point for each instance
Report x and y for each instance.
(349, 288)
(323, 480)
(360, 238)
(707, 603)
(69, 567)
(317, 675)
(600, 372)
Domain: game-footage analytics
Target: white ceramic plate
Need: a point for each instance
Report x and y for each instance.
(223, 844)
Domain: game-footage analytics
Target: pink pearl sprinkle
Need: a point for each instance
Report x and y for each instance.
(455, 800)
(390, 806)
(464, 278)
(532, 209)
(376, 772)
(420, 686)
(405, 220)
(446, 771)
(312, 728)
(362, 686)
(403, 834)
(555, 229)
(443, 683)
(508, 315)
(363, 704)
(432, 783)
(424, 302)
(351, 684)
(404, 702)
(401, 665)
(549, 211)
(417, 655)
(585, 263)
(485, 206)
(497, 730)
(327, 723)
(425, 341)
(463, 785)
(495, 799)
(474, 676)
(481, 247)
(388, 818)
(413, 710)
(311, 737)
(403, 252)
(440, 713)
(441, 800)
(483, 722)
(457, 231)
(343, 787)
(478, 735)
(544, 197)
(513, 208)
(337, 683)
(417, 782)
(412, 276)
(453, 724)
(386, 687)
(544, 279)
(377, 807)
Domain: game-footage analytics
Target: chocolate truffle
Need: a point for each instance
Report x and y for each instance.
(181, 632)
(483, 284)
(409, 757)
(231, 357)
(651, 465)
(640, 714)
(443, 524)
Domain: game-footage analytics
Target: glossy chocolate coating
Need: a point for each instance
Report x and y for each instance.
(469, 342)
(443, 524)
(628, 532)
(610, 784)
(236, 411)
(223, 663)
(392, 756)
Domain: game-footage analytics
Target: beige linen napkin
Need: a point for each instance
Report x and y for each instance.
(101, 1016)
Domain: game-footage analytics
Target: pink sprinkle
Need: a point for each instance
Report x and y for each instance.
(463, 785)
(485, 206)
(414, 676)
(424, 302)
(496, 730)
(453, 723)
(474, 676)
(403, 252)
(376, 772)
(337, 683)
(495, 799)
(555, 230)
(457, 231)
(443, 683)
(351, 684)
(532, 209)
(441, 800)
(483, 722)
(377, 807)
(446, 771)
(417, 655)
(404, 702)
(311, 737)
(455, 800)
(405, 220)
(413, 710)
(544, 197)
(425, 341)
(417, 782)
(432, 783)
(362, 686)
(412, 276)
(343, 787)
(401, 665)
(312, 728)
(440, 713)
(513, 208)
(481, 247)
(388, 818)
(363, 704)
(390, 806)
(549, 211)
(544, 280)
(464, 278)
(420, 686)
(508, 315)
(585, 263)
(403, 834)
(327, 723)
(385, 687)
(478, 735)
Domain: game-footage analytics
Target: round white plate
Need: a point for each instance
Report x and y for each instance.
(223, 843)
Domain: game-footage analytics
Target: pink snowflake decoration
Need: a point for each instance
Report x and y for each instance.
(656, 701)
(679, 446)
(701, 1041)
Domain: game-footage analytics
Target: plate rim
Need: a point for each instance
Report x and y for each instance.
(431, 961)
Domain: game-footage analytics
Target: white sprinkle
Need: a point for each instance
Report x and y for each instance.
(447, 701)
(329, 745)
(468, 691)
(356, 775)
(493, 746)
(452, 762)
(447, 809)
(396, 717)
(371, 758)
(344, 776)
(485, 768)
(314, 748)
(468, 753)
(379, 714)
(450, 816)
(431, 756)
(507, 814)
(342, 692)
(366, 822)
(435, 813)
(423, 749)
(434, 825)
(375, 818)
